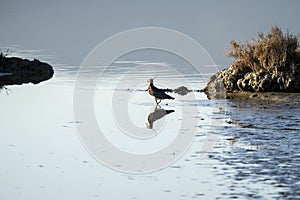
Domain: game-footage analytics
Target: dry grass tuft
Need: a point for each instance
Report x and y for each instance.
(267, 53)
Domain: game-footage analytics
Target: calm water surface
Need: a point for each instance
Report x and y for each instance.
(255, 154)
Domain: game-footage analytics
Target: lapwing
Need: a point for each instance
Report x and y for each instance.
(159, 94)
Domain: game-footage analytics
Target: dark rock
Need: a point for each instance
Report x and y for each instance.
(23, 71)
(182, 90)
(229, 80)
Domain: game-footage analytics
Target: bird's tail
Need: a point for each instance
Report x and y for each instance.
(169, 111)
(172, 98)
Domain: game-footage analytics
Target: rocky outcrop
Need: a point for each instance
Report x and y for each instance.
(231, 80)
(19, 71)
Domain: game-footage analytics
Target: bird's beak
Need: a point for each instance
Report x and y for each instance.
(148, 125)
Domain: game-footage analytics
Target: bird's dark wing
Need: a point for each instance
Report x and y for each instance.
(163, 96)
(157, 90)
(160, 93)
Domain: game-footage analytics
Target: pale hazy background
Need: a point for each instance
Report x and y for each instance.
(68, 30)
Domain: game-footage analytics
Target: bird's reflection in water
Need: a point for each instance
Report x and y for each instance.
(157, 114)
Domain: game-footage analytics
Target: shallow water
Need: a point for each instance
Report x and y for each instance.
(239, 149)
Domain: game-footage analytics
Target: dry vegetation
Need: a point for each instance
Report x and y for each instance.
(268, 53)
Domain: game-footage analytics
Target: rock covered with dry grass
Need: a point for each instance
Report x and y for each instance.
(270, 63)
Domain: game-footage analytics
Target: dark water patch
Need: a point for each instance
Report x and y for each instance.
(262, 144)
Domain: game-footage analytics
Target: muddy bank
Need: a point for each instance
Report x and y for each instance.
(17, 71)
(267, 97)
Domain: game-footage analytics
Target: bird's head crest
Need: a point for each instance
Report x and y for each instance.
(150, 81)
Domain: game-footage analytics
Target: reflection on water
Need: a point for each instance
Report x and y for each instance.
(157, 114)
(256, 155)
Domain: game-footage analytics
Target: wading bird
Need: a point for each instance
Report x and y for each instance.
(159, 94)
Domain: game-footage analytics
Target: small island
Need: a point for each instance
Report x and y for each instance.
(270, 63)
(17, 71)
